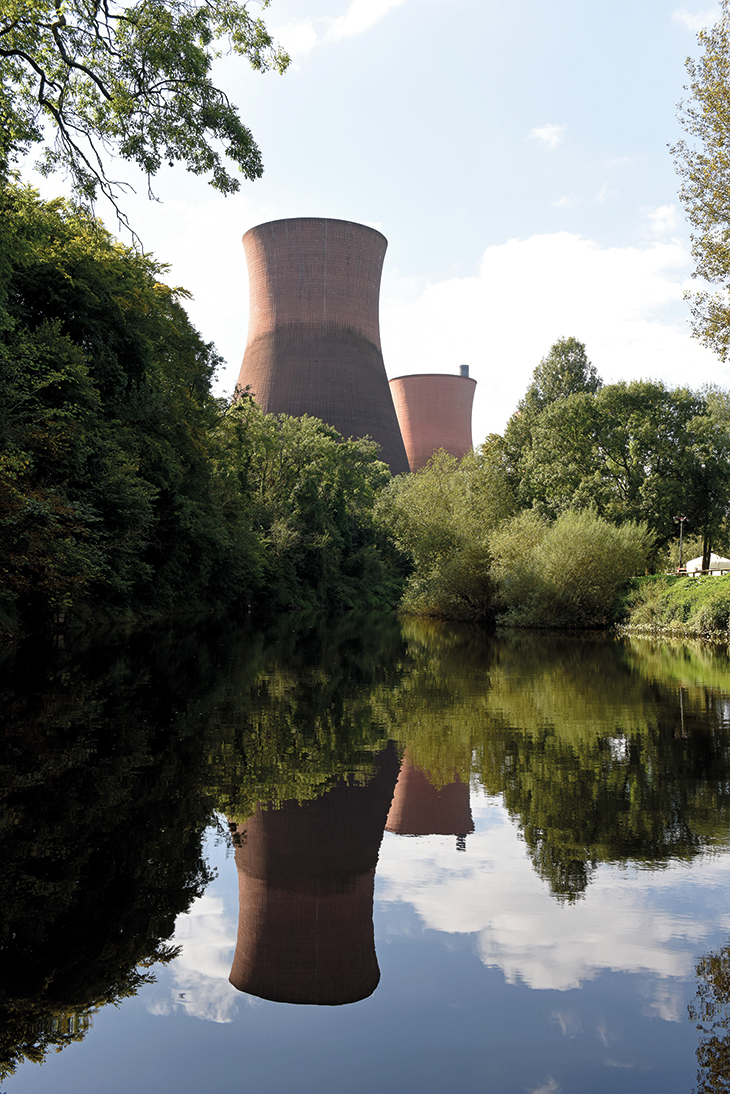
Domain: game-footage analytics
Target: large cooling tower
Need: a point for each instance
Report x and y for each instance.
(314, 333)
(434, 411)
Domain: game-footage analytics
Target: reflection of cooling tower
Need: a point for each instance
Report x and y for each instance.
(419, 809)
(305, 880)
(313, 332)
(434, 411)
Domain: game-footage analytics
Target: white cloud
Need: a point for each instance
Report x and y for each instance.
(551, 135)
(300, 36)
(565, 201)
(662, 219)
(625, 303)
(605, 192)
(696, 20)
(359, 17)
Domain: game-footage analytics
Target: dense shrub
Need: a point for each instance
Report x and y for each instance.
(441, 517)
(567, 573)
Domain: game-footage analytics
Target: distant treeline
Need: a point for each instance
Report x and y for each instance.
(127, 488)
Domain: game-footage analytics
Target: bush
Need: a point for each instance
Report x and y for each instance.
(566, 574)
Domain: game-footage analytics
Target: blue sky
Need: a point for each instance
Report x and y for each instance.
(514, 154)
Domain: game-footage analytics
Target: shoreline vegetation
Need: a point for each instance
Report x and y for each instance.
(128, 491)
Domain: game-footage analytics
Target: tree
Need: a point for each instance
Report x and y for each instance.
(109, 495)
(632, 451)
(89, 78)
(703, 164)
(565, 371)
(311, 497)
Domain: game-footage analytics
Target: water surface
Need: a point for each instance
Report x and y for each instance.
(360, 855)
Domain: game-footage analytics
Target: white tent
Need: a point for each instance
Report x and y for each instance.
(717, 562)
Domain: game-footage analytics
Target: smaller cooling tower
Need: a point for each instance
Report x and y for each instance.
(434, 411)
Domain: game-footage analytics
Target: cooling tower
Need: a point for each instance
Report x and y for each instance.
(434, 411)
(314, 333)
(306, 874)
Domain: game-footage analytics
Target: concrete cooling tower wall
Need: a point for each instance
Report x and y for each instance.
(434, 411)
(314, 333)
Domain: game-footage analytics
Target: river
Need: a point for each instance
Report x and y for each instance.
(362, 854)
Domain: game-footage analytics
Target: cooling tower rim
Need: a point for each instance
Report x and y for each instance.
(314, 220)
(435, 375)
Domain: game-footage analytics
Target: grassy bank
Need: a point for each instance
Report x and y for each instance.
(682, 605)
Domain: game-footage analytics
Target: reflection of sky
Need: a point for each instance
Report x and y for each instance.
(632, 920)
(463, 939)
(207, 936)
(629, 920)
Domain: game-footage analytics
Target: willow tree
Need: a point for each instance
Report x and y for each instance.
(702, 160)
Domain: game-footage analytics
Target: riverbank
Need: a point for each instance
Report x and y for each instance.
(683, 606)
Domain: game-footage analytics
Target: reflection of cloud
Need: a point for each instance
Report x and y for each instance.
(550, 1087)
(668, 1003)
(568, 1021)
(551, 135)
(493, 892)
(200, 973)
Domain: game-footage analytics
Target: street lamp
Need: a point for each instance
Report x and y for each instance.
(680, 521)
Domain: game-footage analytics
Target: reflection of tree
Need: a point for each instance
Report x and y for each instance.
(582, 738)
(101, 818)
(710, 1009)
(114, 755)
(318, 707)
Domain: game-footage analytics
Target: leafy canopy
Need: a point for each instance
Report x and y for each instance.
(702, 160)
(90, 78)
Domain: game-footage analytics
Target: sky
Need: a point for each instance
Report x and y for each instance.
(513, 152)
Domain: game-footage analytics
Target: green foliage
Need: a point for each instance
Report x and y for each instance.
(630, 451)
(131, 79)
(565, 371)
(702, 163)
(567, 573)
(442, 516)
(108, 498)
(310, 499)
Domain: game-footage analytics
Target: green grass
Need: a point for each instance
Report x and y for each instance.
(686, 605)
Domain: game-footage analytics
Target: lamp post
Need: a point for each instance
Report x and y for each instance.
(680, 521)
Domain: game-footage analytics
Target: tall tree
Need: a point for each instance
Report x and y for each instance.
(703, 163)
(101, 77)
(565, 371)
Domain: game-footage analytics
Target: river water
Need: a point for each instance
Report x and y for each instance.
(361, 855)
